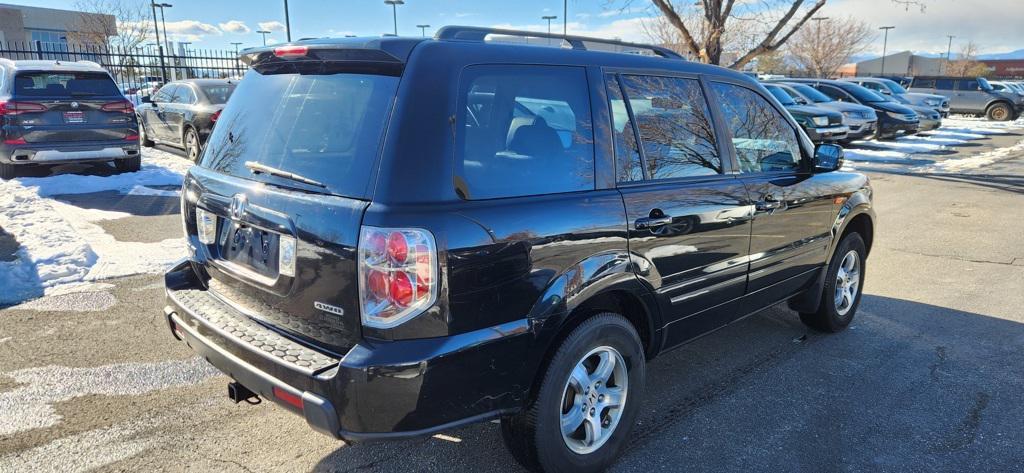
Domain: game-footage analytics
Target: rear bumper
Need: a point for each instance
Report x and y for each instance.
(378, 389)
(43, 153)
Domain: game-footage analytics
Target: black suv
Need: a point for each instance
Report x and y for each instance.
(393, 237)
(57, 112)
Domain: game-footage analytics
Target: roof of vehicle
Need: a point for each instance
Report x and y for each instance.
(205, 81)
(35, 65)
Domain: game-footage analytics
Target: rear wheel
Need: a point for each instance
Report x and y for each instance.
(843, 282)
(587, 402)
(132, 164)
(7, 171)
(143, 139)
(192, 145)
(999, 112)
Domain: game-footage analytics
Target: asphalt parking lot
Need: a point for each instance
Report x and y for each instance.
(928, 378)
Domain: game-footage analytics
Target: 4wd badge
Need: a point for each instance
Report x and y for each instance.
(329, 308)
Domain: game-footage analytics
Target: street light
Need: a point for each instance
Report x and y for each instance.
(236, 47)
(394, 11)
(885, 42)
(287, 23)
(159, 45)
(264, 33)
(565, 17)
(549, 18)
(423, 29)
(949, 48)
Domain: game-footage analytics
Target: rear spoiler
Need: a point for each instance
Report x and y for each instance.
(386, 53)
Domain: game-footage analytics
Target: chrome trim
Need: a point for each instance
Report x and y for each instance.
(50, 155)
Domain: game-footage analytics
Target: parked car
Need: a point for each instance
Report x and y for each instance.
(182, 113)
(971, 95)
(1006, 86)
(861, 120)
(893, 89)
(893, 118)
(820, 125)
(58, 112)
(448, 230)
(928, 118)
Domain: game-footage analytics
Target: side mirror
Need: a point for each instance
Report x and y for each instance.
(828, 157)
(146, 99)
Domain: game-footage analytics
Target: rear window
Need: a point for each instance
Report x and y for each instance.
(218, 94)
(525, 130)
(64, 84)
(322, 127)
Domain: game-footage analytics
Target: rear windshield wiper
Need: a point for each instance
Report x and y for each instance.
(259, 168)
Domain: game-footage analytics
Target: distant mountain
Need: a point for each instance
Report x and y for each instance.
(1018, 54)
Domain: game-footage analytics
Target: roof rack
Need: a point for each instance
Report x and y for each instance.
(477, 33)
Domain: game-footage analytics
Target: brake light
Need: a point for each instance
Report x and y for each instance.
(17, 108)
(16, 141)
(122, 106)
(291, 51)
(397, 274)
(131, 137)
(215, 116)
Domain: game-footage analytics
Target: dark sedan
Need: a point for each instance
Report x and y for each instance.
(893, 118)
(182, 113)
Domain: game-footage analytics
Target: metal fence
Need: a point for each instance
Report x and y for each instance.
(135, 68)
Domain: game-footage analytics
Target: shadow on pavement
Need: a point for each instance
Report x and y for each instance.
(141, 205)
(1004, 182)
(909, 386)
(8, 246)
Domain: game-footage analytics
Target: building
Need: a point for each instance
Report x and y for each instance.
(1005, 68)
(52, 31)
(901, 64)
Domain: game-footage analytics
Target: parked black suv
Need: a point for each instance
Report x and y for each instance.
(57, 112)
(393, 237)
(893, 118)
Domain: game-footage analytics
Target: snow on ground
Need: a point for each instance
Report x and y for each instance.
(62, 244)
(973, 162)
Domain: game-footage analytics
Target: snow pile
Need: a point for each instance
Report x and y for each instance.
(974, 162)
(913, 150)
(61, 243)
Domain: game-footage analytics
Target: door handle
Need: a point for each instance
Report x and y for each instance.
(767, 204)
(645, 223)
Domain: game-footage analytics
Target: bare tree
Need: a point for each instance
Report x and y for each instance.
(966, 64)
(131, 26)
(759, 27)
(822, 48)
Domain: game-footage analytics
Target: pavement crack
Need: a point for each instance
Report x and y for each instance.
(967, 431)
(957, 258)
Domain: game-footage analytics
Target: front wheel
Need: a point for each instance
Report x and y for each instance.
(843, 282)
(587, 402)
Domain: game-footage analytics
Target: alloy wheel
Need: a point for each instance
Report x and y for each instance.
(847, 282)
(593, 399)
(192, 145)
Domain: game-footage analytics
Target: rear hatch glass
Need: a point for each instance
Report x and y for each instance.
(325, 128)
(61, 84)
(69, 107)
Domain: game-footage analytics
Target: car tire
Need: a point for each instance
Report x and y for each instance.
(535, 436)
(844, 281)
(193, 148)
(143, 138)
(133, 164)
(999, 112)
(8, 171)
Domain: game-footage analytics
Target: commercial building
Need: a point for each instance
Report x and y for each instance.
(53, 31)
(903, 63)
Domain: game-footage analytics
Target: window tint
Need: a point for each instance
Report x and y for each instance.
(525, 130)
(967, 84)
(184, 94)
(218, 94)
(944, 84)
(64, 85)
(165, 93)
(780, 95)
(627, 156)
(834, 93)
(763, 140)
(871, 85)
(924, 83)
(675, 126)
(810, 92)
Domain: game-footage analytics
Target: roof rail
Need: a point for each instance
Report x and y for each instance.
(478, 33)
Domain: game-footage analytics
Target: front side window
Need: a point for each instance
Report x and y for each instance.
(763, 140)
(165, 93)
(675, 125)
(525, 130)
(944, 84)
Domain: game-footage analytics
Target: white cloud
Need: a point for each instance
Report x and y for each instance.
(271, 26)
(235, 26)
(629, 29)
(189, 30)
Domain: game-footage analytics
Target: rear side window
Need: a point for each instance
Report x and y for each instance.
(627, 154)
(164, 94)
(323, 127)
(944, 84)
(967, 84)
(525, 130)
(764, 141)
(675, 126)
(64, 85)
(924, 83)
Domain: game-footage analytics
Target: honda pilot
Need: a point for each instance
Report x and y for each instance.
(394, 237)
(58, 112)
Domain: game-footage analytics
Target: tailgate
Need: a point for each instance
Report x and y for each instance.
(67, 107)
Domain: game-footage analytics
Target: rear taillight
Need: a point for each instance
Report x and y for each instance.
(397, 274)
(17, 108)
(215, 116)
(122, 106)
(15, 141)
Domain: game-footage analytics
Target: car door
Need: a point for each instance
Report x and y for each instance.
(970, 93)
(792, 208)
(948, 88)
(150, 113)
(688, 218)
(176, 111)
(161, 103)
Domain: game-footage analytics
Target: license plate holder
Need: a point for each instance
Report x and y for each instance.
(74, 117)
(251, 247)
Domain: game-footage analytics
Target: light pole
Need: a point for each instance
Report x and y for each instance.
(394, 11)
(159, 45)
(949, 48)
(163, 19)
(184, 53)
(885, 43)
(264, 33)
(817, 37)
(565, 17)
(287, 23)
(423, 29)
(236, 47)
(236, 55)
(549, 18)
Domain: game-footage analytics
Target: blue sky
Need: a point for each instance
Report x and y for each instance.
(214, 24)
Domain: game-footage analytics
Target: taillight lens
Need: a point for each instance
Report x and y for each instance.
(17, 108)
(122, 106)
(215, 116)
(397, 274)
(206, 226)
(291, 51)
(286, 256)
